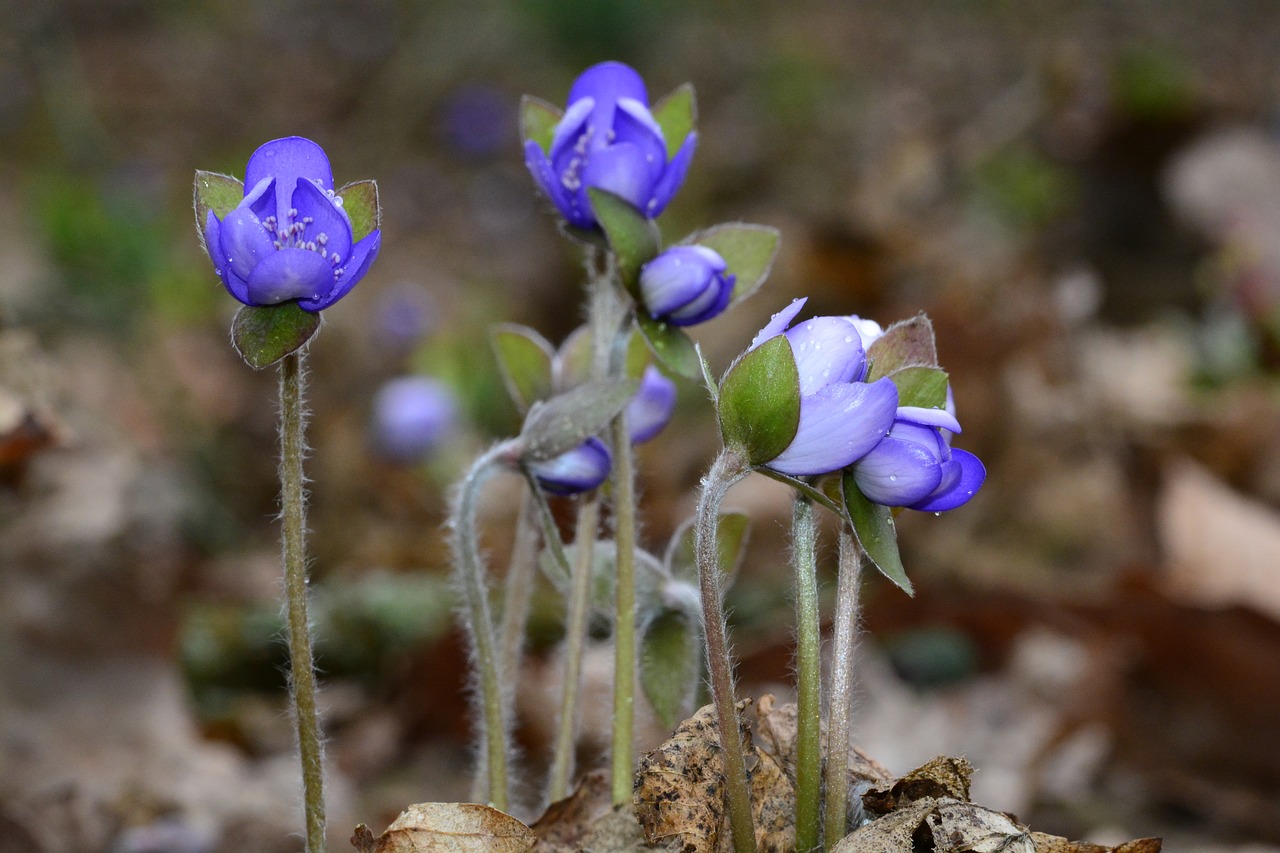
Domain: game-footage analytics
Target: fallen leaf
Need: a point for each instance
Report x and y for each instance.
(892, 833)
(448, 828)
(959, 826)
(565, 823)
(943, 777)
(1057, 844)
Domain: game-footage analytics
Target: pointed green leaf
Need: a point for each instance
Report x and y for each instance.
(925, 387)
(216, 192)
(873, 525)
(669, 665)
(908, 343)
(524, 360)
(818, 496)
(360, 201)
(633, 237)
(573, 361)
(748, 251)
(562, 423)
(604, 557)
(538, 120)
(732, 531)
(760, 401)
(265, 335)
(677, 115)
(670, 345)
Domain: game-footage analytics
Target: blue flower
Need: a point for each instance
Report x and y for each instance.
(685, 285)
(841, 417)
(607, 138)
(289, 239)
(578, 470)
(412, 415)
(915, 467)
(652, 406)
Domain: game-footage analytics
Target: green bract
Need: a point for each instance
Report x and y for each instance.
(760, 401)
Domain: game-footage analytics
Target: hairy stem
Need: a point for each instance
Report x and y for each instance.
(518, 588)
(808, 678)
(302, 680)
(727, 470)
(841, 698)
(624, 631)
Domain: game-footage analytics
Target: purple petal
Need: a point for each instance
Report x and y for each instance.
(929, 417)
(289, 160)
(579, 470)
(710, 304)
(261, 198)
(243, 241)
(839, 425)
(778, 323)
(605, 84)
(328, 220)
(677, 277)
(622, 170)
(898, 473)
(235, 285)
(353, 269)
(972, 474)
(213, 240)
(544, 176)
(634, 125)
(828, 350)
(289, 274)
(652, 406)
(672, 177)
(570, 127)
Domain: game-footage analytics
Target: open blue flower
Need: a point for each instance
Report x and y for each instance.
(289, 239)
(915, 466)
(578, 470)
(841, 417)
(685, 285)
(607, 138)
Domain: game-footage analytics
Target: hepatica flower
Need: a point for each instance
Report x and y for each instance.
(578, 470)
(411, 416)
(842, 418)
(915, 466)
(685, 285)
(652, 406)
(608, 138)
(289, 239)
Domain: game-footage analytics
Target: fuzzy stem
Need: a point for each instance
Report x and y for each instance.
(727, 470)
(575, 643)
(493, 701)
(624, 632)
(808, 678)
(302, 679)
(841, 697)
(518, 589)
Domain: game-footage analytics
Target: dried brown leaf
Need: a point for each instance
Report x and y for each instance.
(942, 777)
(1057, 844)
(566, 823)
(963, 827)
(892, 833)
(448, 828)
(773, 805)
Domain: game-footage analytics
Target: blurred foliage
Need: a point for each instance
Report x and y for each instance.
(1025, 188)
(1152, 83)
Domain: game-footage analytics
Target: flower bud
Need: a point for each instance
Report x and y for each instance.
(915, 466)
(578, 470)
(411, 416)
(652, 406)
(685, 285)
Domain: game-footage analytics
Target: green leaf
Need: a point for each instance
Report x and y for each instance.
(633, 237)
(572, 364)
(670, 345)
(360, 201)
(524, 359)
(908, 343)
(265, 335)
(604, 558)
(669, 665)
(216, 192)
(816, 495)
(732, 531)
(760, 401)
(925, 387)
(748, 251)
(873, 525)
(677, 115)
(538, 120)
(562, 423)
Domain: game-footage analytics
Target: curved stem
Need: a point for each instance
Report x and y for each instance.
(518, 589)
(841, 698)
(493, 701)
(293, 499)
(808, 678)
(727, 470)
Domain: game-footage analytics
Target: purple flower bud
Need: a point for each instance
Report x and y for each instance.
(289, 239)
(841, 418)
(412, 415)
(607, 138)
(579, 470)
(652, 406)
(685, 285)
(915, 466)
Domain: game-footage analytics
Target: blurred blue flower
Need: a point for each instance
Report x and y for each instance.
(915, 467)
(289, 239)
(607, 138)
(412, 415)
(578, 470)
(841, 417)
(685, 285)
(476, 120)
(652, 406)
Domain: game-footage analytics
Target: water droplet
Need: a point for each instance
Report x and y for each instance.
(893, 478)
(937, 515)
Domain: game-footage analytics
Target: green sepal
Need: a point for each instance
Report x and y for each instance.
(633, 237)
(907, 343)
(524, 360)
(670, 664)
(677, 115)
(670, 346)
(733, 529)
(925, 387)
(748, 252)
(265, 335)
(360, 201)
(874, 527)
(560, 424)
(217, 192)
(538, 120)
(760, 401)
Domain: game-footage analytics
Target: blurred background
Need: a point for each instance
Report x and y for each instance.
(1085, 198)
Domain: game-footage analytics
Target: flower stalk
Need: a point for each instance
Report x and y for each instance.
(302, 681)
(517, 590)
(624, 632)
(808, 677)
(841, 697)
